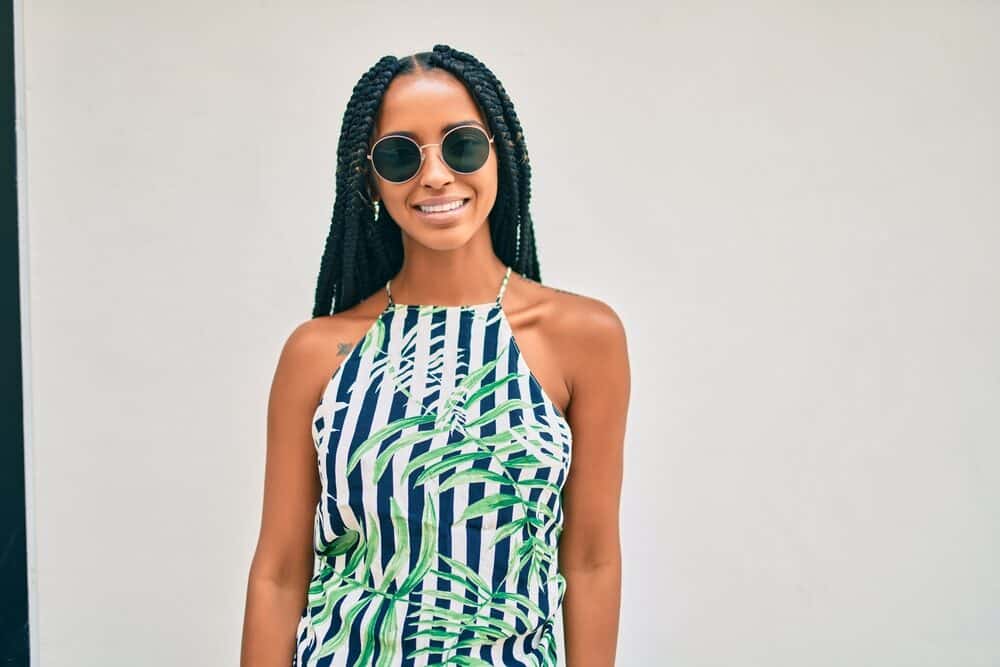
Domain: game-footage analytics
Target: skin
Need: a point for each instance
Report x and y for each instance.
(575, 346)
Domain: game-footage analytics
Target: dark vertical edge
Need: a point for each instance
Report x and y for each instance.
(14, 630)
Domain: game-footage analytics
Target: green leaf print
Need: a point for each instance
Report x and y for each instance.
(342, 544)
(490, 504)
(470, 475)
(509, 529)
(385, 457)
(453, 411)
(357, 578)
(448, 464)
(352, 579)
(375, 336)
(433, 454)
(402, 376)
(428, 548)
(507, 462)
(527, 461)
(470, 661)
(489, 389)
(387, 637)
(447, 625)
(378, 436)
(401, 555)
(368, 637)
(493, 414)
(466, 571)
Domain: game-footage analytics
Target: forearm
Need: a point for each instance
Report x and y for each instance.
(270, 622)
(590, 615)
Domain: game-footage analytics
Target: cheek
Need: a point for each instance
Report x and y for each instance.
(394, 199)
(486, 184)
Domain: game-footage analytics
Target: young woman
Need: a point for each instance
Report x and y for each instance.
(446, 524)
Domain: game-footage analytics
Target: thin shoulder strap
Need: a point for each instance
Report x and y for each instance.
(503, 286)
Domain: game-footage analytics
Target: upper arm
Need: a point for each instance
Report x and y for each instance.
(599, 387)
(291, 480)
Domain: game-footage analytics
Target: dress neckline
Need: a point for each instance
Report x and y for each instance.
(495, 303)
(433, 306)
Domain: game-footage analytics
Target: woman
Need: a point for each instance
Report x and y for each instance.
(445, 524)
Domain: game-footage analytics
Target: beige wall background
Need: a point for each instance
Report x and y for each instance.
(792, 206)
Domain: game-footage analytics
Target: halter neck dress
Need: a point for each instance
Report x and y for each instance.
(441, 461)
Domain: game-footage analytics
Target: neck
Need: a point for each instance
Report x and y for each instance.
(448, 278)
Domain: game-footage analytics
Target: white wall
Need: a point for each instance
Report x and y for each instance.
(794, 210)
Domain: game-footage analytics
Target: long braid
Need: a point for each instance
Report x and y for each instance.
(355, 254)
(512, 230)
(362, 252)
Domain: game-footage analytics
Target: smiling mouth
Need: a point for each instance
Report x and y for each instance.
(443, 209)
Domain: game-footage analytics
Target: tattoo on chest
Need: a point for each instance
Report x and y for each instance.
(344, 348)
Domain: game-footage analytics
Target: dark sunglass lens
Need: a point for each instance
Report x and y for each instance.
(396, 158)
(466, 149)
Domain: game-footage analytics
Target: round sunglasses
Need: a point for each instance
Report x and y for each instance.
(397, 158)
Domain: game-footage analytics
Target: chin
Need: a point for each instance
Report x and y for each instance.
(441, 238)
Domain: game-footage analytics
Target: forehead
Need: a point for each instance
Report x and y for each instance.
(424, 104)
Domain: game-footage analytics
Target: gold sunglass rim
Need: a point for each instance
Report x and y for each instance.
(420, 148)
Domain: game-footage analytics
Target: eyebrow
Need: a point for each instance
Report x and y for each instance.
(449, 126)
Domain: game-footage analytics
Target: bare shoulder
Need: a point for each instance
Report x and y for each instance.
(585, 334)
(315, 336)
(577, 318)
(316, 347)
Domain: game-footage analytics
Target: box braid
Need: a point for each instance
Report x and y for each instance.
(362, 252)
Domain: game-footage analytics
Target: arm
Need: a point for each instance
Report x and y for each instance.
(283, 560)
(590, 549)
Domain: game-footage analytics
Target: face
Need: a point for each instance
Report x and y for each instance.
(424, 104)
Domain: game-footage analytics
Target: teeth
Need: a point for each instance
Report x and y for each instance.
(443, 207)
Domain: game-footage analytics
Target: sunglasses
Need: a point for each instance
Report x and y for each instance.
(397, 158)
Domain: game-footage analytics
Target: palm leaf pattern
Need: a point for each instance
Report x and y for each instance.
(442, 462)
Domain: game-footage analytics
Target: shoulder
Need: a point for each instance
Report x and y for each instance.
(576, 318)
(312, 338)
(582, 330)
(314, 335)
(314, 348)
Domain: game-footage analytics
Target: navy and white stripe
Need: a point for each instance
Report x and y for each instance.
(410, 363)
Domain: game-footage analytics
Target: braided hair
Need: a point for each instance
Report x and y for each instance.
(362, 252)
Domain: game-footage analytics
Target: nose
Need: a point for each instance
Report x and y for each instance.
(434, 173)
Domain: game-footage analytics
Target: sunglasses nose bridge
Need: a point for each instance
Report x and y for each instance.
(423, 155)
(423, 160)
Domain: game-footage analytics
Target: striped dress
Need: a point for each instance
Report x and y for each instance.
(436, 534)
